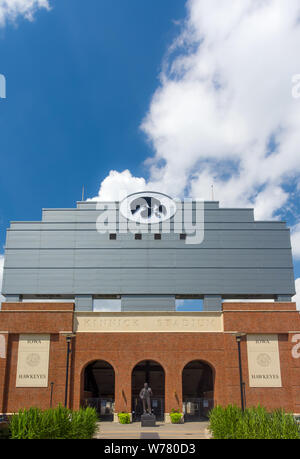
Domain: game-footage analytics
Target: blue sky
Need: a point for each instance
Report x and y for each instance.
(79, 81)
(136, 87)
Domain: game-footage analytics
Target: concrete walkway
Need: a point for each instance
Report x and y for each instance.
(187, 431)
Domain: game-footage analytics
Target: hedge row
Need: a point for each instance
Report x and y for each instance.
(254, 423)
(57, 423)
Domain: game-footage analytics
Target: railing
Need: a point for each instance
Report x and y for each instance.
(197, 408)
(104, 406)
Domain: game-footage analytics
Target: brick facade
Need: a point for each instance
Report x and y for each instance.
(171, 350)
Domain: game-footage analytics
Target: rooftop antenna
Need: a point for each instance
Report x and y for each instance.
(212, 193)
(82, 198)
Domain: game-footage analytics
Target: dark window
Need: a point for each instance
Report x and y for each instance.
(138, 236)
(182, 236)
(157, 236)
(112, 236)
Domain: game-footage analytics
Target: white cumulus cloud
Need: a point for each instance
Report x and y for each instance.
(296, 298)
(295, 239)
(224, 111)
(118, 185)
(11, 9)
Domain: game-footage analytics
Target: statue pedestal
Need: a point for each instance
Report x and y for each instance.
(148, 420)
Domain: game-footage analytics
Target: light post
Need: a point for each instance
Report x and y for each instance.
(69, 337)
(238, 337)
(51, 393)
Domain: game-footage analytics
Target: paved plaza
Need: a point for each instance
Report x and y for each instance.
(187, 431)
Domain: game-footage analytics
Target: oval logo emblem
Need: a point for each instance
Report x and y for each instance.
(148, 207)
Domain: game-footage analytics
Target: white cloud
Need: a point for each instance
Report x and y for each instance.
(296, 298)
(295, 239)
(118, 185)
(223, 113)
(11, 9)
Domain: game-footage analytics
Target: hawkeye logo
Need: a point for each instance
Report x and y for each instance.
(148, 207)
(153, 212)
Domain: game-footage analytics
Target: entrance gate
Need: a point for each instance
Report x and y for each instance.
(151, 372)
(197, 390)
(99, 388)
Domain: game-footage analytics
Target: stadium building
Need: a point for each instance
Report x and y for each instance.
(192, 298)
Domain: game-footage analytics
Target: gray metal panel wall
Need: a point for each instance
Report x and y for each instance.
(154, 258)
(83, 303)
(196, 281)
(54, 226)
(215, 239)
(148, 303)
(212, 303)
(64, 254)
(84, 215)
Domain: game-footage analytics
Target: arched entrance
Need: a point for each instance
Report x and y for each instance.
(99, 388)
(197, 390)
(153, 373)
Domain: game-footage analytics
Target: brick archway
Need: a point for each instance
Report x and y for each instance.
(197, 389)
(153, 373)
(98, 387)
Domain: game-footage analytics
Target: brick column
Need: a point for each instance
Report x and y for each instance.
(122, 388)
(3, 367)
(173, 388)
(231, 382)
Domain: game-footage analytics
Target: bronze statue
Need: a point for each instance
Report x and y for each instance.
(145, 395)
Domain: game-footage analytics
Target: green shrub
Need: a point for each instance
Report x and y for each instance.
(124, 418)
(57, 423)
(84, 423)
(223, 421)
(175, 417)
(253, 423)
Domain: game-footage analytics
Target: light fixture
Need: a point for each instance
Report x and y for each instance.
(69, 336)
(238, 337)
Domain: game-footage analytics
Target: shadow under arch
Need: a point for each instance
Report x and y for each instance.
(99, 388)
(197, 389)
(153, 373)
